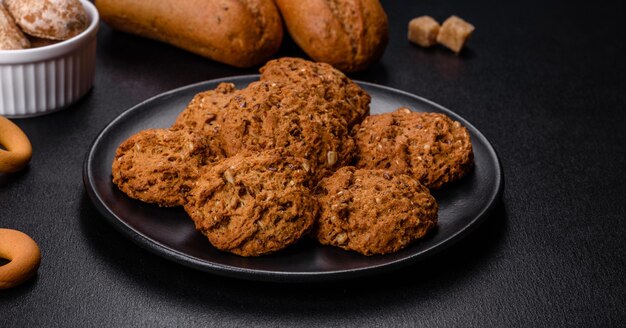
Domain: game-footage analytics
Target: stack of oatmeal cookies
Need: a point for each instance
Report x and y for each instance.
(295, 154)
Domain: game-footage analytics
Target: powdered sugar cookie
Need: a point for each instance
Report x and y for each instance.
(11, 37)
(49, 19)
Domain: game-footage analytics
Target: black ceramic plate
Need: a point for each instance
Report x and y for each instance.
(169, 232)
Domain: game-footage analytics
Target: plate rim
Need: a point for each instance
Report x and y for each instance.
(159, 249)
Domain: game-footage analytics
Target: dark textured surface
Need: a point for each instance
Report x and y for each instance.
(544, 81)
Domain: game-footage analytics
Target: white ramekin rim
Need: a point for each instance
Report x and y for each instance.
(54, 50)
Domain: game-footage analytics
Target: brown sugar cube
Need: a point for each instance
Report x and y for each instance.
(423, 31)
(454, 33)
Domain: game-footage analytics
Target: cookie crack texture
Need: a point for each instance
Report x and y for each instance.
(373, 211)
(430, 147)
(268, 202)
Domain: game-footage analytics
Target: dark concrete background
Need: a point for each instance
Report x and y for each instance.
(544, 82)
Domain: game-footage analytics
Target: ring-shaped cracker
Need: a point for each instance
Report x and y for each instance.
(23, 254)
(17, 148)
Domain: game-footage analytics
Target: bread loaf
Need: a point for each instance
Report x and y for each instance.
(241, 33)
(348, 34)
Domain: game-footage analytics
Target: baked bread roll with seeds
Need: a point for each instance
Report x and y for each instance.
(351, 35)
(11, 37)
(373, 211)
(254, 205)
(241, 33)
(430, 147)
(49, 19)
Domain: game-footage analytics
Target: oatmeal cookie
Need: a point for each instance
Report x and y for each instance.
(160, 165)
(324, 87)
(268, 115)
(253, 205)
(305, 107)
(202, 111)
(430, 147)
(373, 211)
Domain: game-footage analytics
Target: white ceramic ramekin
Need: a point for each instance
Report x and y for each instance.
(41, 80)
